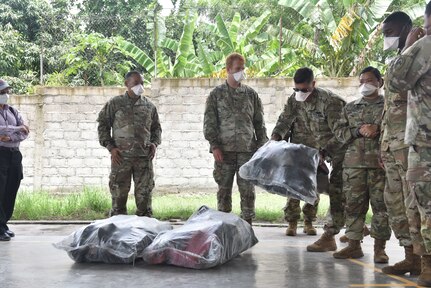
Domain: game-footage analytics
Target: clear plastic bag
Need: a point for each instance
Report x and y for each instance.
(208, 238)
(119, 239)
(285, 169)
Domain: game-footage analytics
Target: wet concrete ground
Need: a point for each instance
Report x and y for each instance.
(30, 260)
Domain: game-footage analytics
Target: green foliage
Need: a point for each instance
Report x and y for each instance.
(102, 39)
(347, 36)
(94, 203)
(95, 60)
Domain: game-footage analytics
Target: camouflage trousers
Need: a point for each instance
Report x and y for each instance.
(336, 198)
(224, 174)
(418, 202)
(141, 169)
(292, 211)
(364, 187)
(396, 191)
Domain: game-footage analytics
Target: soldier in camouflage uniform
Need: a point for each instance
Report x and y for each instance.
(136, 133)
(363, 178)
(411, 72)
(394, 153)
(319, 110)
(235, 128)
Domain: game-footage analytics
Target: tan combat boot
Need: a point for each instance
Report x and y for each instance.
(379, 251)
(309, 228)
(411, 264)
(291, 230)
(324, 244)
(344, 239)
(425, 276)
(353, 251)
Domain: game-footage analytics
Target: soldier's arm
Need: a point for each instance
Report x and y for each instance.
(259, 122)
(345, 133)
(334, 114)
(285, 120)
(406, 69)
(105, 119)
(156, 128)
(211, 130)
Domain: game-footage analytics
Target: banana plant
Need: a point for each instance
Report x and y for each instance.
(186, 64)
(341, 42)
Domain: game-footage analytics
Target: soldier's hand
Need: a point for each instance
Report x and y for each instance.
(218, 155)
(153, 149)
(369, 130)
(414, 35)
(275, 137)
(116, 156)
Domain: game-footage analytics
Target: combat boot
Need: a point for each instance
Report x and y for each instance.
(309, 228)
(425, 277)
(379, 251)
(324, 244)
(353, 251)
(411, 264)
(291, 230)
(249, 221)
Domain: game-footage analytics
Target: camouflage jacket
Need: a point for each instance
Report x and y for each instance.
(233, 119)
(393, 128)
(298, 135)
(317, 117)
(411, 71)
(361, 152)
(134, 125)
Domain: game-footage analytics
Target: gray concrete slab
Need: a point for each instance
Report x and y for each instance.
(30, 260)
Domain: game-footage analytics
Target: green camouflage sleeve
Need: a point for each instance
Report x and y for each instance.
(105, 120)
(286, 119)
(259, 122)
(334, 114)
(156, 129)
(211, 130)
(406, 69)
(344, 132)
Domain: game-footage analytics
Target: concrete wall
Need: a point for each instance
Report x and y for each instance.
(63, 153)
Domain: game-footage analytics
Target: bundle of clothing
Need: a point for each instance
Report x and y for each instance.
(119, 239)
(285, 169)
(209, 238)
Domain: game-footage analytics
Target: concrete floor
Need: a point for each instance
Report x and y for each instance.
(29, 260)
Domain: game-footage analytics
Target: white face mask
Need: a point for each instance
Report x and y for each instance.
(367, 89)
(239, 76)
(301, 96)
(138, 89)
(4, 98)
(391, 43)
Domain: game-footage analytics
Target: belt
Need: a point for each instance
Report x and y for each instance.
(10, 149)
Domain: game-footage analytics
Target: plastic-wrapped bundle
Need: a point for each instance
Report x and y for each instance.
(285, 169)
(208, 238)
(119, 239)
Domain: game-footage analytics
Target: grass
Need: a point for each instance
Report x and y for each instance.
(94, 203)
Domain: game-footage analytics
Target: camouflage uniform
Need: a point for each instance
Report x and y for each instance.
(411, 72)
(394, 156)
(364, 180)
(234, 123)
(292, 210)
(135, 125)
(319, 116)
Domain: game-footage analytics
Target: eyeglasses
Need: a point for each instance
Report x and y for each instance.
(302, 90)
